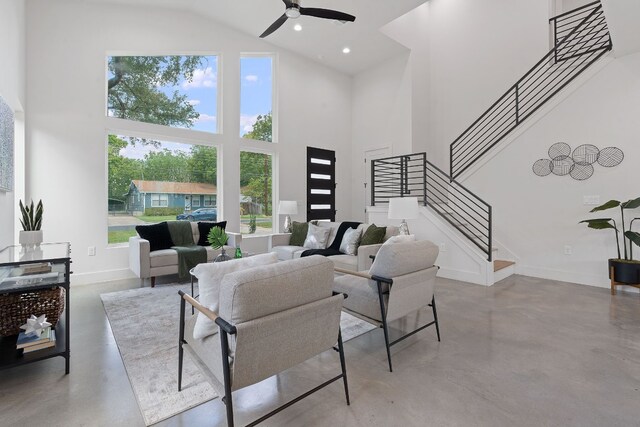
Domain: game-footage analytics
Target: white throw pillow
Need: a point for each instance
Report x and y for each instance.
(350, 241)
(402, 238)
(316, 237)
(210, 276)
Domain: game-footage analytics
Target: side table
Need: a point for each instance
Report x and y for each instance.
(13, 260)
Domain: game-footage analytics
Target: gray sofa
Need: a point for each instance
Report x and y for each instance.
(279, 244)
(149, 265)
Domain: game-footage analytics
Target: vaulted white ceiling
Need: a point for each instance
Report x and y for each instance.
(320, 39)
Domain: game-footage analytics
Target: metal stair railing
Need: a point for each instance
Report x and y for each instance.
(413, 175)
(583, 39)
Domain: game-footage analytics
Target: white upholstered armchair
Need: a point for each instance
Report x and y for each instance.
(270, 318)
(399, 282)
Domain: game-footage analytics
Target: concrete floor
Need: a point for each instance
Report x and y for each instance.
(525, 352)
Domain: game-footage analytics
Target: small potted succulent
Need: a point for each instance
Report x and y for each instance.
(31, 221)
(217, 238)
(625, 269)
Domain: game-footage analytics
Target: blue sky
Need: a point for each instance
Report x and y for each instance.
(256, 90)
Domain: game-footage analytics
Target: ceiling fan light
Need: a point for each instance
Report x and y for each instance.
(292, 13)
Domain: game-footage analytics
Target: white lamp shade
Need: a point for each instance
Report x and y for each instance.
(403, 208)
(288, 207)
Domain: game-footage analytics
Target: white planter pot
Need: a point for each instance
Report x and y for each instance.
(30, 238)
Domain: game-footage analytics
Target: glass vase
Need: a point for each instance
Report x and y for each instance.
(222, 257)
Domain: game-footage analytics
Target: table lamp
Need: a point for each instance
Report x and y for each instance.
(403, 208)
(287, 207)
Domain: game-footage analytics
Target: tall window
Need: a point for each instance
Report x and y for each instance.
(256, 193)
(256, 97)
(176, 91)
(153, 181)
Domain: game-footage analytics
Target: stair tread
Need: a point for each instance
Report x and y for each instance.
(501, 264)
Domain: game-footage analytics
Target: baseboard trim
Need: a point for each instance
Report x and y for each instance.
(81, 279)
(570, 277)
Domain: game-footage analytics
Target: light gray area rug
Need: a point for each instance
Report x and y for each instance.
(145, 325)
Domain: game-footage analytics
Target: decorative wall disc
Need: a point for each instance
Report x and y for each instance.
(581, 172)
(542, 167)
(559, 151)
(585, 154)
(563, 167)
(579, 164)
(610, 157)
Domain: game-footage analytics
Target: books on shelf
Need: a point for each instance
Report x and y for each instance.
(32, 342)
(40, 267)
(32, 279)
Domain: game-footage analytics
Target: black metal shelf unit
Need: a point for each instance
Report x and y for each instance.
(58, 255)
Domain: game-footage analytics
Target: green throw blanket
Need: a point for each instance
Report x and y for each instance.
(189, 254)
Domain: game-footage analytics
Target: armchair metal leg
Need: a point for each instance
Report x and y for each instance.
(384, 325)
(227, 399)
(435, 315)
(344, 367)
(180, 342)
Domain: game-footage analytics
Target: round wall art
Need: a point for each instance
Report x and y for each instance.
(579, 163)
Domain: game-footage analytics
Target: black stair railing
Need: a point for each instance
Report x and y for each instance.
(583, 38)
(413, 175)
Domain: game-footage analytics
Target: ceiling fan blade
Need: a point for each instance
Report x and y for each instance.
(327, 14)
(274, 26)
(287, 3)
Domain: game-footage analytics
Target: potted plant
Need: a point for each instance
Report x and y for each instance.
(31, 221)
(217, 238)
(625, 270)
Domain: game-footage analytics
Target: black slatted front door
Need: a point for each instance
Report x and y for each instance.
(321, 184)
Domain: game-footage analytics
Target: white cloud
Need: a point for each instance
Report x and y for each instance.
(206, 118)
(251, 78)
(201, 78)
(247, 122)
(194, 102)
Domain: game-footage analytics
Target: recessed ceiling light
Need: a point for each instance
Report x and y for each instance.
(297, 27)
(346, 50)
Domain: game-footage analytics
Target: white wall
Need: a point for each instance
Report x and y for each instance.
(67, 45)
(381, 114)
(478, 51)
(536, 217)
(12, 89)
(464, 55)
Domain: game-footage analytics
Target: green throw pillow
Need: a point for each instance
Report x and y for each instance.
(373, 236)
(298, 233)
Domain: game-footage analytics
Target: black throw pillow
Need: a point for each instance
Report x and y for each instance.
(204, 227)
(158, 235)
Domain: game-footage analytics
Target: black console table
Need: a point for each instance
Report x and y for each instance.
(12, 260)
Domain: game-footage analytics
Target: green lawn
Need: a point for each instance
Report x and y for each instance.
(146, 218)
(121, 236)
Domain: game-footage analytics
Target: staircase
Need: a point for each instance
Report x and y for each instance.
(581, 37)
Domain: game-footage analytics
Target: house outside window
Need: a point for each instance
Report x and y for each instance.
(159, 200)
(195, 201)
(209, 201)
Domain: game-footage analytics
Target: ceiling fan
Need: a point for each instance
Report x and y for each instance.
(294, 10)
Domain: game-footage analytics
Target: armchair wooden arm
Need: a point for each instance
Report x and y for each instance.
(201, 308)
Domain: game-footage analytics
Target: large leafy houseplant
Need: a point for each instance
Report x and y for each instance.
(627, 270)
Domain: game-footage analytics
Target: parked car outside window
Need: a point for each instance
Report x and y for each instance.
(203, 214)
